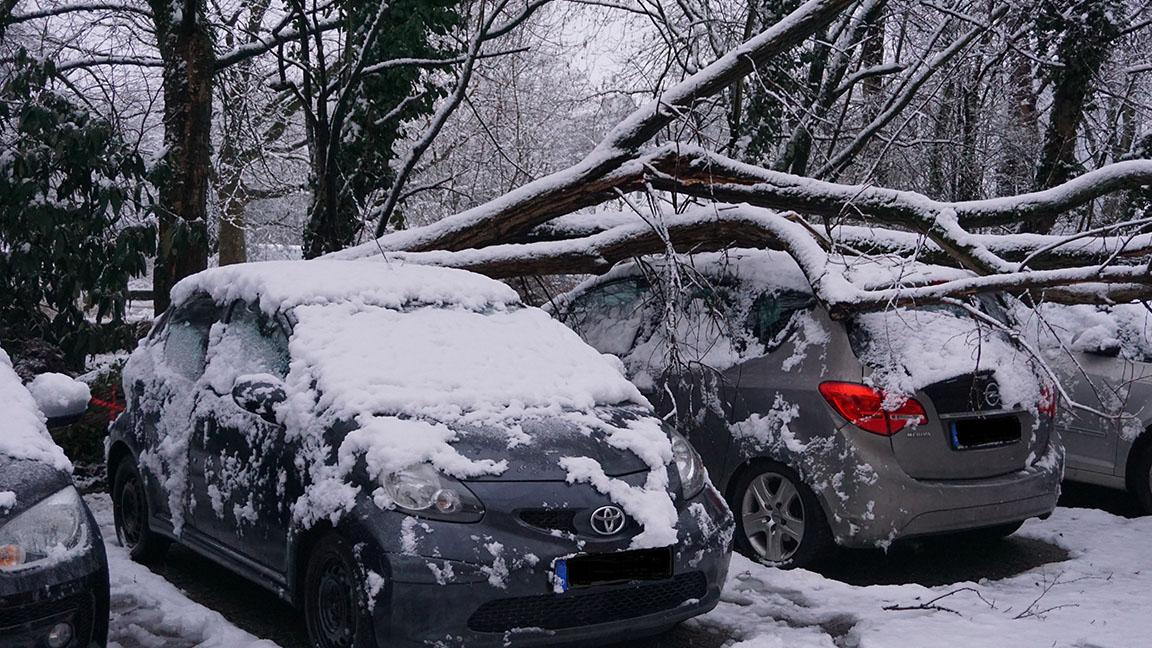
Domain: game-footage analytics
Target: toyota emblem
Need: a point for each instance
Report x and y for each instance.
(608, 520)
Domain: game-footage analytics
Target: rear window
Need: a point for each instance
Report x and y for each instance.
(881, 332)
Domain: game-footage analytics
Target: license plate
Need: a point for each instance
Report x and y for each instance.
(612, 568)
(987, 432)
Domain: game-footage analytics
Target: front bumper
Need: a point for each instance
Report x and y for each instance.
(73, 592)
(510, 598)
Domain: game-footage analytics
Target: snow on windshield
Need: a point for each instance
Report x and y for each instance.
(452, 363)
(25, 435)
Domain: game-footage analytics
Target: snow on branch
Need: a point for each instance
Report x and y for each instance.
(79, 7)
(830, 265)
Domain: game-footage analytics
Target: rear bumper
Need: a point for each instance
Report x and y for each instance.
(902, 507)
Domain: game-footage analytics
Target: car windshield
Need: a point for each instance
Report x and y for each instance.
(444, 362)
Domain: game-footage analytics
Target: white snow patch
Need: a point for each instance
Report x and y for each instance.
(1096, 598)
(59, 395)
(25, 434)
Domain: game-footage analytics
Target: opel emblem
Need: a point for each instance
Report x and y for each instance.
(992, 396)
(608, 520)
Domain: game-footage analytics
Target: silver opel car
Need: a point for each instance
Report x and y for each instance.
(889, 425)
(1104, 357)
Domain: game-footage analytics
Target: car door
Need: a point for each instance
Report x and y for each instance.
(243, 480)
(1101, 381)
(163, 397)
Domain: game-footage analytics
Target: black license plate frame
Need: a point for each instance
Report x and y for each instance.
(633, 565)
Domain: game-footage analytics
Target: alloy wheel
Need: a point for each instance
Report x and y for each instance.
(773, 515)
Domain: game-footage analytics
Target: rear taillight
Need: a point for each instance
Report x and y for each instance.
(863, 406)
(1048, 401)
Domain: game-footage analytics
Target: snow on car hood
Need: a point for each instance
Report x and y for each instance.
(23, 434)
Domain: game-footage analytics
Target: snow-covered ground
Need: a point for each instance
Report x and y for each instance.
(1098, 598)
(150, 612)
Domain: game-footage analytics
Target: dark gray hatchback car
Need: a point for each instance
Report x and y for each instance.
(891, 425)
(326, 429)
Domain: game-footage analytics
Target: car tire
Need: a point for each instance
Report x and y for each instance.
(1140, 475)
(335, 606)
(130, 515)
(772, 497)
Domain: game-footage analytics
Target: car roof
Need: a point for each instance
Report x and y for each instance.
(282, 285)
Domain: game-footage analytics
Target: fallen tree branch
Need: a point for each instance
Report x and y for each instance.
(712, 228)
(514, 213)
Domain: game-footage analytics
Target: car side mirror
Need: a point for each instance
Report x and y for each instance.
(260, 394)
(62, 399)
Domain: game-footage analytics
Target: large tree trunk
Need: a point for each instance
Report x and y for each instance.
(185, 43)
(1082, 51)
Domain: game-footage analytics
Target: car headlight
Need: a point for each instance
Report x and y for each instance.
(422, 490)
(45, 532)
(688, 464)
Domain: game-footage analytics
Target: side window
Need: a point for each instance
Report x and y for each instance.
(251, 342)
(608, 317)
(772, 314)
(186, 336)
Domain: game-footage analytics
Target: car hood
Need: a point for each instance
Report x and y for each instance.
(534, 447)
(30, 481)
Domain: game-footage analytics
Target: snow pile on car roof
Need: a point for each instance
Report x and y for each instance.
(279, 285)
(25, 435)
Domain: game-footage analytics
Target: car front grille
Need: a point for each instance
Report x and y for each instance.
(18, 615)
(589, 607)
(550, 519)
(26, 625)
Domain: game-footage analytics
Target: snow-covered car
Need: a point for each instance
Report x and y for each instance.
(411, 455)
(890, 425)
(53, 570)
(1104, 358)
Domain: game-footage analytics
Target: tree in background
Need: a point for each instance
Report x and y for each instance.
(356, 103)
(71, 205)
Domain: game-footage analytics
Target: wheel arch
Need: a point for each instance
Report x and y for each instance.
(117, 453)
(1141, 444)
(302, 544)
(757, 463)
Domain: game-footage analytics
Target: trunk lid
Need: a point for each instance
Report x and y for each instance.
(971, 433)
